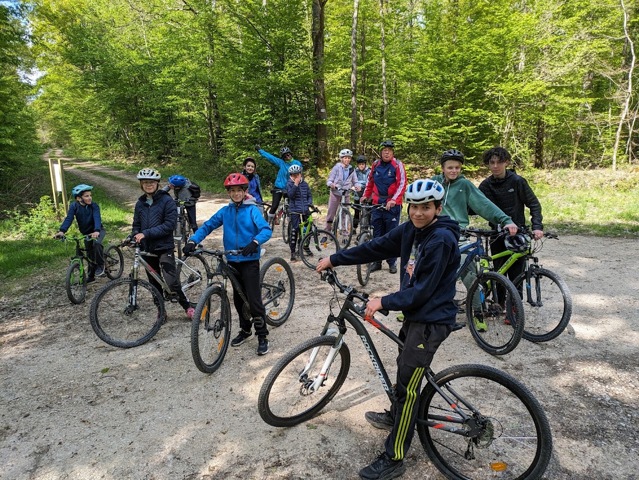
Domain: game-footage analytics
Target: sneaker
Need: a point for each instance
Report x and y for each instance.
(99, 272)
(262, 346)
(307, 252)
(392, 268)
(376, 266)
(480, 325)
(241, 338)
(90, 279)
(383, 468)
(380, 420)
(189, 312)
(294, 257)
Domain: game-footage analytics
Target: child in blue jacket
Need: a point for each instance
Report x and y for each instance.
(300, 201)
(244, 229)
(87, 214)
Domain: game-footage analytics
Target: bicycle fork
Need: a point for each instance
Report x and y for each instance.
(537, 302)
(312, 385)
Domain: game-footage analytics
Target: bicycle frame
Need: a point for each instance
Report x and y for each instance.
(349, 312)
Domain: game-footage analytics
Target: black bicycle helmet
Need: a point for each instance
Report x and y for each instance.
(284, 151)
(517, 243)
(452, 154)
(387, 144)
(361, 159)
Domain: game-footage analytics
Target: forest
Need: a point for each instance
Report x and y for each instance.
(202, 81)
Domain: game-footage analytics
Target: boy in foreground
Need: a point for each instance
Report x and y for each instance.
(244, 229)
(429, 256)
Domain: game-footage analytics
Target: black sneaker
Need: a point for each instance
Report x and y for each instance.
(241, 338)
(294, 257)
(99, 272)
(392, 268)
(380, 420)
(376, 266)
(262, 346)
(383, 468)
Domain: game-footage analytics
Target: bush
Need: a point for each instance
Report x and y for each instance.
(38, 223)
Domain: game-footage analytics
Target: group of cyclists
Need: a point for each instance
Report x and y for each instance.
(428, 248)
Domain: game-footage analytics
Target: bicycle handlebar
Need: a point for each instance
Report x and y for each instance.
(215, 253)
(330, 276)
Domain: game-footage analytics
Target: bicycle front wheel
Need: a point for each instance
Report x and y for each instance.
(113, 262)
(343, 227)
(194, 277)
(127, 313)
(501, 431)
(495, 313)
(211, 329)
(295, 389)
(317, 242)
(277, 284)
(363, 270)
(76, 282)
(286, 228)
(547, 304)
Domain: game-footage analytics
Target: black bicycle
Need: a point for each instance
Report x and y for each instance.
(76, 277)
(365, 235)
(211, 325)
(473, 421)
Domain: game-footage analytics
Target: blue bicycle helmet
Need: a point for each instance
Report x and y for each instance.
(177, 180)
(78, 190)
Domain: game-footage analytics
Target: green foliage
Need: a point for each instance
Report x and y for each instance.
(37, 223)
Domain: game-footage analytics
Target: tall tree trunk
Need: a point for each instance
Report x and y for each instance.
(383, 53)
(539, 143)
(321, 130)
(628, 94)
(354, 76)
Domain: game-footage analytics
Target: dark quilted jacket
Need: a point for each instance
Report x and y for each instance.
(156, 221)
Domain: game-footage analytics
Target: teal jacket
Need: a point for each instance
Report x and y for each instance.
(282, 168)
(462, 195)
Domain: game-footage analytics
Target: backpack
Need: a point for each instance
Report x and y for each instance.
(195, 190)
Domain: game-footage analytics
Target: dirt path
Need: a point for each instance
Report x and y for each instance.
(72, 407)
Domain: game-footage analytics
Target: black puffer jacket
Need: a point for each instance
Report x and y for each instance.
(512, 194)
(156, 221)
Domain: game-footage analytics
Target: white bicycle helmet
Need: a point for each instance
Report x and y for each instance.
(294, 169)
(149, 174)
(517, 243)
(424, 191)
(345, 153)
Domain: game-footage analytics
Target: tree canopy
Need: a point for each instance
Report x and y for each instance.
(206, 79)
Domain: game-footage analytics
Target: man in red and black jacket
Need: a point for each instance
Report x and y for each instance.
(386, 186)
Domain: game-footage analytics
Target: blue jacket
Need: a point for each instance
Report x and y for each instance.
(426, 296)
(255, 186)
(282, 173)
(156, 221)
(300, 197)
(242, 224)
(88, 218)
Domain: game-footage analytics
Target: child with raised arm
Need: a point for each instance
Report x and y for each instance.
(283, 163)
(87, 214)
(429, 257)
(244, 229)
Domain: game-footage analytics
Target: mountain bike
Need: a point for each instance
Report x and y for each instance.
(365, 234)
(211, 325)
(76, 276)
(314, 240)
(473, 421)
(546, 297)
(343, 221)
(494, 310)
(182, 227)
(128, 312)
(282, 216)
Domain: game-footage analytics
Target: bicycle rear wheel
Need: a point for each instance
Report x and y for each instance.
(550, 306)
(363, 270)
(286, 227)
(113, 262)
(76, 282)
(277, 284)
(288, 395)
(194, 275)
(504, 432)
(495, 313)
(320, 243)
(343, 227)
(211, 329)
(127, 313)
